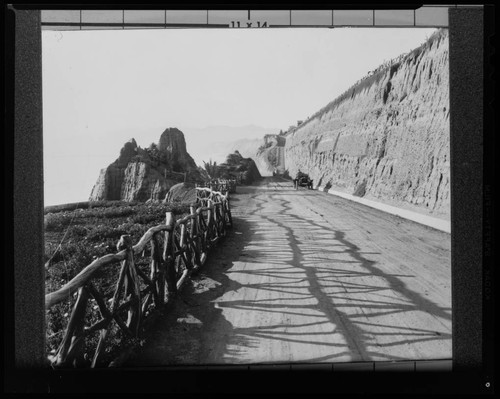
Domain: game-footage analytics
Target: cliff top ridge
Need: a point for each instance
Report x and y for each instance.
(373, 77)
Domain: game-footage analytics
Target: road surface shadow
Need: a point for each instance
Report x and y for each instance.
(318, 278)
(195, 331)
(311, 269)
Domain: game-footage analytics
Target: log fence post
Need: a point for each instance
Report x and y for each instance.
(74, 330)
(169, 256)
(194, 236)
(228, 211)
(158, 271)
(216, 219)
(210, 218)
(193, 243)
(133, 288)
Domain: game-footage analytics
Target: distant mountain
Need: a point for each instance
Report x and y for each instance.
(247, 147)
(216, 142)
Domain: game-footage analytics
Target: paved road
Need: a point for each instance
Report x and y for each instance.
(310, 277)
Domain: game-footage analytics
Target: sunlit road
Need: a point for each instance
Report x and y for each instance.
(309, 277)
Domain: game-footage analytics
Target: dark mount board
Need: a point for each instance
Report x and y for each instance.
(472, 274)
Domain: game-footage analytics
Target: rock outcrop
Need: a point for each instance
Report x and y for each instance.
(181, 193)
(173, 152)
(387, 138)
(236, 166)
(146, 174)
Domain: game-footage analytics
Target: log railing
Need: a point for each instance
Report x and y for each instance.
(176, 249)
(224, 186)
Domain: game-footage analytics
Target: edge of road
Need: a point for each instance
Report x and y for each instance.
(435, 223)
(438, 224)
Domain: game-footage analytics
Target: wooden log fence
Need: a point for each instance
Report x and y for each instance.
(224, 186)
(177, 249)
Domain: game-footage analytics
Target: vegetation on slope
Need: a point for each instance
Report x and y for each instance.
(75, 235)
(236, 166)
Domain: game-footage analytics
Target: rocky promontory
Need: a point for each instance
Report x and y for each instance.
(141, 174)
(236, 166)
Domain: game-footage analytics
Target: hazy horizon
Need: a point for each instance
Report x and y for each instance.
(101, 88)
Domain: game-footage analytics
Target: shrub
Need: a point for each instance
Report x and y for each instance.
(88, 234)
(57, 318)
(360, 189)
(143, 219)
(111, 212)
(76, 232)
(66, 207)
(103, 232)
(211, 169)
(57, 221)
(87, 205)
(136, 231)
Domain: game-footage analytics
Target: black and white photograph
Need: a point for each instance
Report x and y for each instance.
(304, 176)
(249, 190)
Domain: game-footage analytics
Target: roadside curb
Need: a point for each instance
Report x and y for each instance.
(438, 224)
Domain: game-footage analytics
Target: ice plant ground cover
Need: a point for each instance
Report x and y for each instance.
(77, 234)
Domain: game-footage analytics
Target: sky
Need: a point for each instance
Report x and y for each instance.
(101, 88)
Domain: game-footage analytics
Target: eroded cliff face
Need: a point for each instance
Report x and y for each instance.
(387, 138)
(270, 157)
(144, 174)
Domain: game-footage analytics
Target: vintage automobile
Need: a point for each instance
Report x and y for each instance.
(302, 180)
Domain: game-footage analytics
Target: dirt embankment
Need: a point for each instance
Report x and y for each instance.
(387, 138)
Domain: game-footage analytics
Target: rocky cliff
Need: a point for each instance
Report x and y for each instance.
(240, 168)
(270, 157)
(387, 137)
(142, 174)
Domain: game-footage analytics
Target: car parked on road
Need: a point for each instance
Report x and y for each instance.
(302, 180)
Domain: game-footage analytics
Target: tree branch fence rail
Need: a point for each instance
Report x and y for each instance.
(176, 249)
(222, 185)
